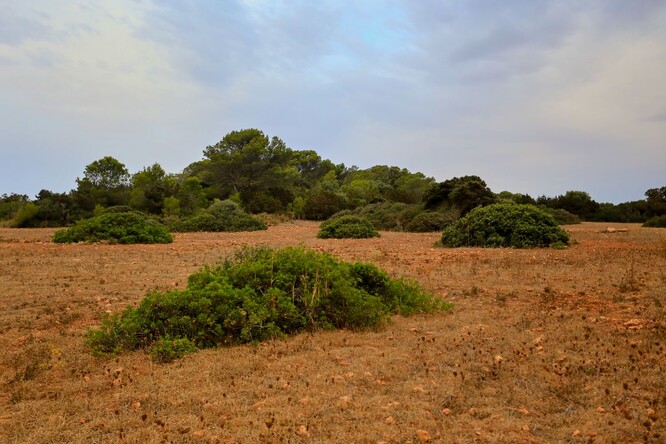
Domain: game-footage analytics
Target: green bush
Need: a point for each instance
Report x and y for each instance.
(167, 349)
(656, 222)
(383, 215)
(562, 216)
(220, 216)
(398, 216)
(347, 227)
(116, 228)
(505, 225)
(259, 294)
(429, 221)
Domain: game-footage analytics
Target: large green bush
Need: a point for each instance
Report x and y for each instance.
(120, 228)
(505, 225)
(347, 227)
(258, 294)
(220, 216)
(656, 222)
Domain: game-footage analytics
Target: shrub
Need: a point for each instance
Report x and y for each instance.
(257, 294)
(323, 204)
(167, 349)
(120, 228)
(562, 216)
(429, 221)
(656, 222)
(220, 216)
(383, 215)
(505, 225)
(398, 216)
(347, 227)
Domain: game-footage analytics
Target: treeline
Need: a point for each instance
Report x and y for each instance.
(263, 175)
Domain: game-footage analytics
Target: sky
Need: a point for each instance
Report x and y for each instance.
(533, 96)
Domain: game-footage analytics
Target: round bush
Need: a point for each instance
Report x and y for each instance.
(347, 227)
(429, 221)
(505, 225)
(656, 222)
(115, 228)
(220, 216)
(259, 294)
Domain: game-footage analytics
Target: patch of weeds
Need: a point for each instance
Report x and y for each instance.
(548, 296)
(501, 298)
(472, 292)
(559, 245)
(630, 281)
(35, 358)
(258, 294)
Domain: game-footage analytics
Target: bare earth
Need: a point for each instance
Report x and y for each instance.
(541, 346)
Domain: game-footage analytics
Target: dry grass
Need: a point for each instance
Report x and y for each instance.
(542, 346)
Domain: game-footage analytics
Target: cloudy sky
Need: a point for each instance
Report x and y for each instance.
(534, 96)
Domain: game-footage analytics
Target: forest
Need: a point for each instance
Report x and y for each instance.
(265, 177)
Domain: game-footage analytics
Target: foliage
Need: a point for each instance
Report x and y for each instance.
(429, 221)
(167, 349)
(220, 216)
(122, 228)
(562, 216)
(505, 225)
(322, 204)
(382, 215)
(150, 188)
(347, 227)
(252, 164)
(575, 202)
(656, 222)
(656, 201)
(10, 204)
(25, 215)
(259, 294)
(462, 193)
(107, 173)
(398, 216)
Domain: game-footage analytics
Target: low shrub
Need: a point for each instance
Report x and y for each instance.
(398, 216)
(656, 222)
(220, 216)
(562, 216)
(115, 228)
(347, 227)
(505, 225)
(384, 215)
(258, 294)
(429, 221)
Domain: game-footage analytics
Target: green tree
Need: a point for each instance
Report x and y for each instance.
(576, 202)
(258, 168)
(107, 174)
(191, 196)
(656, 201)
(150, 187)
(105, 182)
(463, 193)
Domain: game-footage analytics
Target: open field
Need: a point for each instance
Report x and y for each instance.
(541, 346)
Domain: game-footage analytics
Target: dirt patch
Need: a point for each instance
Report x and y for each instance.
(542, 346)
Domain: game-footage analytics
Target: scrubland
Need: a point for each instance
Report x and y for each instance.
(542, 345)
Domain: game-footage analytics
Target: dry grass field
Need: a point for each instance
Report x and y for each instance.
(542, 346)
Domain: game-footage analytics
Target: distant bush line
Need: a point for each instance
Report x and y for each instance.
(264, 176)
